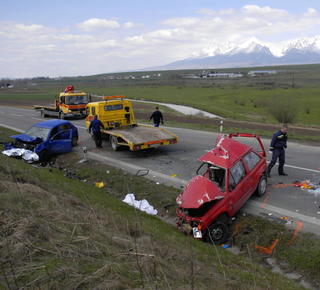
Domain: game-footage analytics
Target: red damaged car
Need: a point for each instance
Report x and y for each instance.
(229, 174)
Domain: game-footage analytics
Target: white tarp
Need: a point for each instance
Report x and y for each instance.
(142, 205)
(26, 155)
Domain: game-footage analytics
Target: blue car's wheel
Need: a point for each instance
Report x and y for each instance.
(74, 141)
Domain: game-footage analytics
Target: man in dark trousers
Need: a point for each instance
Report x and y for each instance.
(157, 117)
(277, 146)
(94, 129)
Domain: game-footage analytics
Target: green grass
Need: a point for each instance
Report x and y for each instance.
(246, 99)
(58, 231)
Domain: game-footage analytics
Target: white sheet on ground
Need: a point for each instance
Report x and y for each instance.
(142, 205)
(20, 152)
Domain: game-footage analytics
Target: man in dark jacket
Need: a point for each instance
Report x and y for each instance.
(277, 146)
(157, 117)
(94, 129)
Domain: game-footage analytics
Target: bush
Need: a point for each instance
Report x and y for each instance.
(283, 109)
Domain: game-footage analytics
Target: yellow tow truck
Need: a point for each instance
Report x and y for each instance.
(69, 103)
(120, 126)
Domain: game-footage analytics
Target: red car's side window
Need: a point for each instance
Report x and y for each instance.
(251, 159)
(237, 173)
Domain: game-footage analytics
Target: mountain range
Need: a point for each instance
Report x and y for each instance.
(253, 53)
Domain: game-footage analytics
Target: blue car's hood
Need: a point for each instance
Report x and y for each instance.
(27, 138)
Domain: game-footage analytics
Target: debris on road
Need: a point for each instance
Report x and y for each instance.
(267, 250)
(142, 205)
(296, 231)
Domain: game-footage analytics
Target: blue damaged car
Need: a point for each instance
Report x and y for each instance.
(48, 138)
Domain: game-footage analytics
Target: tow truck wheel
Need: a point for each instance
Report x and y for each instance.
(262, 186)
(218, 232)
(114, 143)
(43, 114)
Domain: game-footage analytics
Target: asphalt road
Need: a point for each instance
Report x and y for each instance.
(302, 163)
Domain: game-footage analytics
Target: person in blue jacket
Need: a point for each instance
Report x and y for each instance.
(94, 129)
(277, 147)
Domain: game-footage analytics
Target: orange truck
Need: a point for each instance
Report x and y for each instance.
(68, 104)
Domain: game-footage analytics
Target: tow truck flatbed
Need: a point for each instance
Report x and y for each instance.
(142, 137)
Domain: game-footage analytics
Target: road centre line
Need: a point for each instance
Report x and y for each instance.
(84, 128)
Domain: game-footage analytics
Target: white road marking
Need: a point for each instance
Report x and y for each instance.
(82, 127)
(16, 115)
(12, 128)
(302, 168)
(297, 167)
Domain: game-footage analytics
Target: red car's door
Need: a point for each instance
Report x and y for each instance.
(255, 166)
(239, 186)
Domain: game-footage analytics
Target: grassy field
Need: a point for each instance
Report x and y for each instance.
(248, 99)
(60, 231)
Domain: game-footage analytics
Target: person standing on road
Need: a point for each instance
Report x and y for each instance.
(278, 146)
(157, 117)
(94, 129)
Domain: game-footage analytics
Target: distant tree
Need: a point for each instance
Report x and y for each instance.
(283, 109)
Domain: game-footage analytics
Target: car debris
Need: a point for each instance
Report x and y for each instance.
(142, 205)
(229, 174)
(100, 184)
(267, 250)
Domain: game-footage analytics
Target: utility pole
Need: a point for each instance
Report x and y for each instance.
(292, 83)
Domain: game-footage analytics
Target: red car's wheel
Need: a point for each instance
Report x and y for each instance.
(218, 232)
(262, 186)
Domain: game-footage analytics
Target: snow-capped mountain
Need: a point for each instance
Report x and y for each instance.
(253, 53)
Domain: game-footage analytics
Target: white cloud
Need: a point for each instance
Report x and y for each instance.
(182, 21)
(28, 28)
(98, 23)
(129, 24)
(93, 46)
(266, 11)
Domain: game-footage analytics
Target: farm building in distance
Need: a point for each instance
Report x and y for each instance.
(222, 75)
(255, 73)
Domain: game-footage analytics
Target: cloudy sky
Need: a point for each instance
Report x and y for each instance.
(80, 37)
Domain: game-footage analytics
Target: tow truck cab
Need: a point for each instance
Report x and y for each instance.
(113, 112)
(72, 104)
(229, 174)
